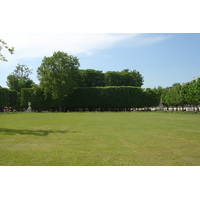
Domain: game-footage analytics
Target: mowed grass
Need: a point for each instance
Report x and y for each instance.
(96, 139)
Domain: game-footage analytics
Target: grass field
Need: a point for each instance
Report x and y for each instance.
(96, 139)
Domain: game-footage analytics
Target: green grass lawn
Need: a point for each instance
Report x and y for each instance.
(90, 139)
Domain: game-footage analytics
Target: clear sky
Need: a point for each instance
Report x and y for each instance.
(162, 59)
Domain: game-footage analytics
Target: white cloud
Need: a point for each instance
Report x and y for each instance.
(148, 39)
(28, 46)
(40, 45)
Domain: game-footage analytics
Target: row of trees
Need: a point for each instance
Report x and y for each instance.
(60, 74)
(64, 85)
(95, 78)
(181, 95)
(105, 98)
(81, 78)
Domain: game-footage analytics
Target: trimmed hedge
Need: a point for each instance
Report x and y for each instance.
(108, 98)
(8, 97)
(113, 98)
(4, 97)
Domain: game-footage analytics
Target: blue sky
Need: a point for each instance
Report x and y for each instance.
(163, 59)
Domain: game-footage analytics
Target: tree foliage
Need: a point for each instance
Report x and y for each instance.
(180, 95)
(4, 45)
(123, 78)
(91, 78)
(63, 85)
(58, 75)
(116, 98)
(95, 78)
(20, 78)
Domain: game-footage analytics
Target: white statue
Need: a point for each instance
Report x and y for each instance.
(29, 107)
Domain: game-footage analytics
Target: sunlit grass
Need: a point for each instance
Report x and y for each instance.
(123, 138)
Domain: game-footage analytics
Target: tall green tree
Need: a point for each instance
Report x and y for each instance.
(183, 95)
(173, 96)
(193, 93)
(20, 78)
(58, 75)
(176, 94)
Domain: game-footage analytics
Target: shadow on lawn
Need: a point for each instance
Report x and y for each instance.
(7, 131)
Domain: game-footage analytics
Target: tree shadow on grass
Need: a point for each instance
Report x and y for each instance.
(7, 131)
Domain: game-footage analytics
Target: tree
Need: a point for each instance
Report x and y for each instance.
(19, 78)
(176, 94)
(112, 78)
(58, 75)
(4, 45)
(92, 78)
(123, 78)
(131, 78)
(173, 96)
(193, 93)
(166, 97)
(183, 95)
